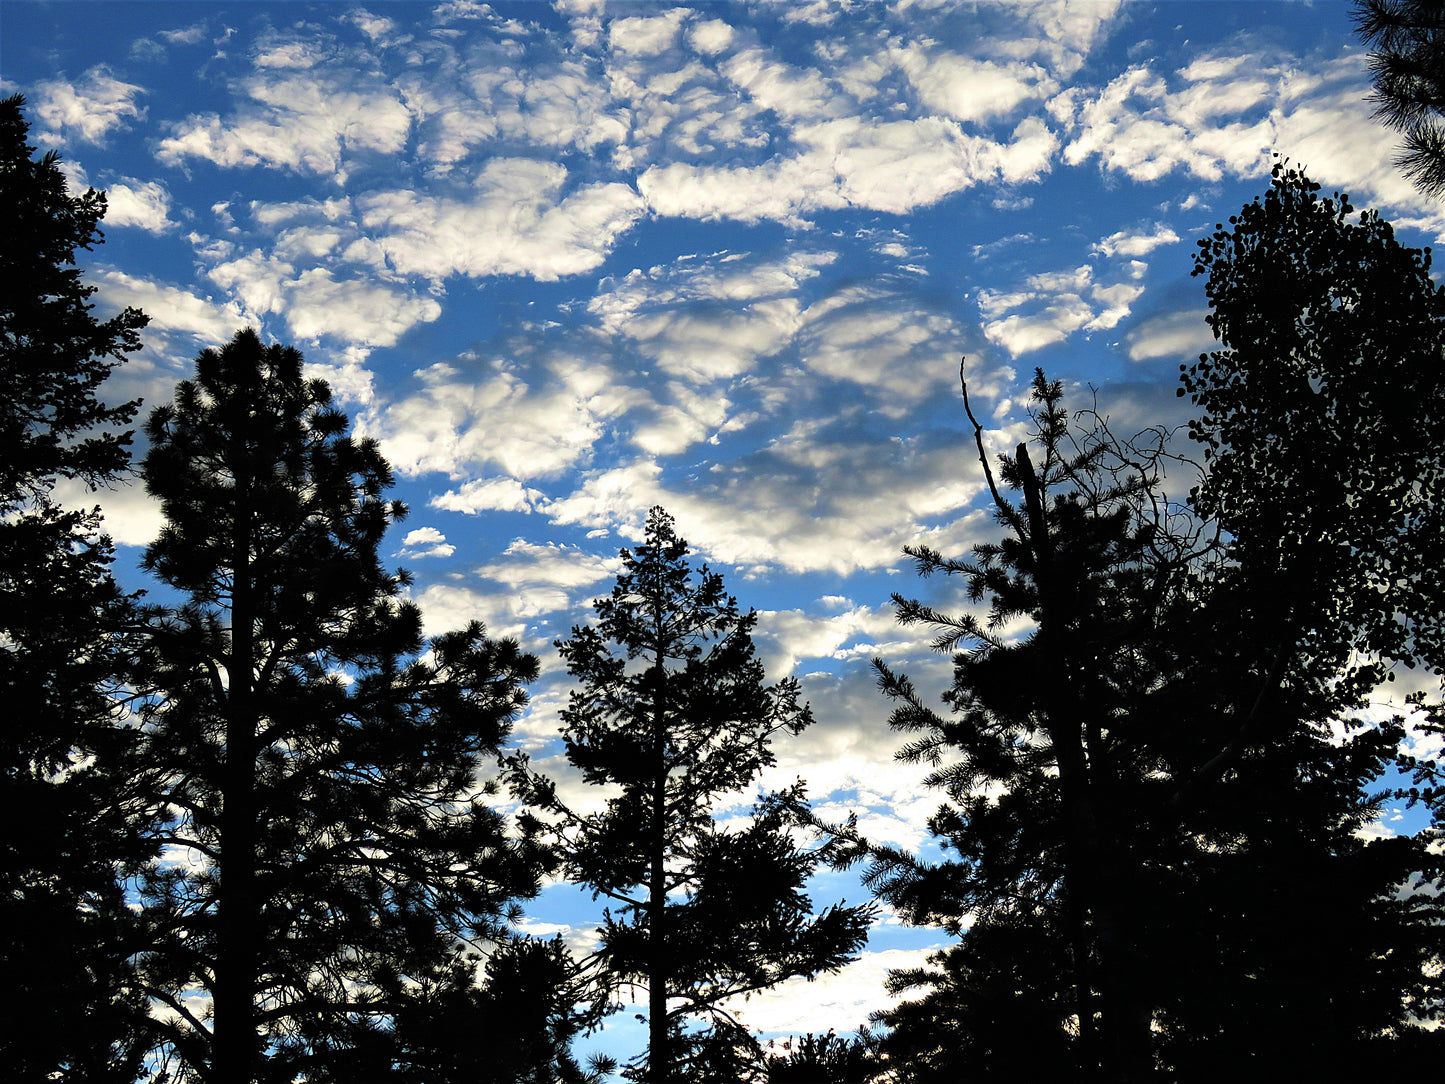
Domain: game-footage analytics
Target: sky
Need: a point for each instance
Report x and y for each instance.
(570, 260)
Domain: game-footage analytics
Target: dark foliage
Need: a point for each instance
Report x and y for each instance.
(1323, 417)
(514, 1026)
(1408, 65)
(56, 354)
(329, 840)
(672, 708)
(992, 1007)
(74, 1014)
(825, 1059)
(1154, 802)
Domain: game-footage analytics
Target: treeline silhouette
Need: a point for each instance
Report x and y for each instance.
(257, 833)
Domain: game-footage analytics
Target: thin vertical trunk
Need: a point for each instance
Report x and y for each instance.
(1121, 1048)
(233, 1047)
(659, 1056)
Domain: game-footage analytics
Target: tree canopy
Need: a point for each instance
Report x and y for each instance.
(1319, 417)
(671, 706)
(329, 845)
(1138, 787)
(67, 826)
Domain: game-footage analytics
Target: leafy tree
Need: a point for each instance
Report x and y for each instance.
(1320, 417)
(65, 826)
(328, 840)
(1317, 416)
(671, 708)
(1137, 788)
(1046, 778)
(1408, 66)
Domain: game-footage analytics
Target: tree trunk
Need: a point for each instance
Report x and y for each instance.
(1120, 1050)
(233, 1045)
(659, 1061)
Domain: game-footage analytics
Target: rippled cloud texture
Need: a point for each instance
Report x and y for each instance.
(570, 260)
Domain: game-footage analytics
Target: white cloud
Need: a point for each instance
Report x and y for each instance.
(684, 420)
(1135, 243)
(447, 606)
(788, 91)
(378, 28)
(426, 542)
(729, 277)
(515, 222)
(353, 310)
(879, 337)
(1184, 335)
(1226, 115)
(837, 1002)
(1070, 30)
(495, 100)
(189, 35)
(296, 54)
(488, 495)
(803, 504)
(646, 35)
(892, 166)
(787, 637)
(170, 307)
(585, 17)
(813, 12)
(705, 346)
(526, 565)
(1057, 304)
(87, 109)
(315, 303)
(310, 122)
(968, 88)
(452, 10)
(130, 515)
(492, 418)
(145, 204)
(328, 210)
(349, 378)
(711, 36)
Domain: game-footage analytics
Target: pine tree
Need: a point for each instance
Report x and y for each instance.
(534, 1002)
(56, 353)
(825, 1059)
(329, 840)
(66, 832)
(1155, 807)
(1408, 65)
(672, 708)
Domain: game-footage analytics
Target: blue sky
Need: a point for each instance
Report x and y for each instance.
(571, 260)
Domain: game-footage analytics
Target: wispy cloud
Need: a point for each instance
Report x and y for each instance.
(87, 109)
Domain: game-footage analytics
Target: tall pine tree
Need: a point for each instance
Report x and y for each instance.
(329, 841)
(66, 831)
(672, 709)
(1156, 810)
